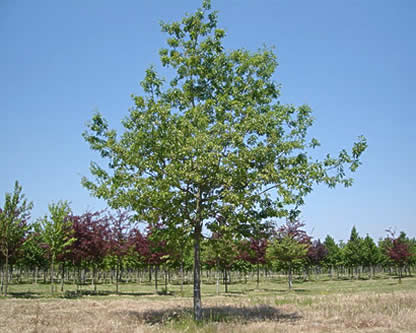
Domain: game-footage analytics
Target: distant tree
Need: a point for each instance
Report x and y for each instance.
(353, 252)
(316, 254)
(253, 250)
(399, 251)
(34, 255)
(57, 234)
(221, 248)
(91, 231)
(289, 247)
(159, 251)
(13, 228)
(370, 254)
(120, 225)
(334, 257)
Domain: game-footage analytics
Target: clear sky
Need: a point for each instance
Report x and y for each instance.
(352, 61)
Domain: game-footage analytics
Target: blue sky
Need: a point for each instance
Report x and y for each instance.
(352, 61)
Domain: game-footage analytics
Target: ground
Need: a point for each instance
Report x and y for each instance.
(380, 305)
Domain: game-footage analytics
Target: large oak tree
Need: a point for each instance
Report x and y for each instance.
(214, 140)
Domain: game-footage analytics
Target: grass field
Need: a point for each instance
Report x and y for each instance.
(381, 305)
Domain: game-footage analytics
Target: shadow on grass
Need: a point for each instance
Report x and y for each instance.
(241, 314)
(287, 291)
(82, 293)
(25, 294)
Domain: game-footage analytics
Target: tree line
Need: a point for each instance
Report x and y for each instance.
(104, 241)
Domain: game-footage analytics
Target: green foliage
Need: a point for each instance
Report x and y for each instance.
(34, 253)
(287, 251)
(56, 229)
(371, 253)
(334, 257)
(353, 251)
(13, 220)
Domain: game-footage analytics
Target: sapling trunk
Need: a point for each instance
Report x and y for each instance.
(166, 280)
(62, 277)
(258, 276)
(182, 277)
(6, 275)
(156, 270)
(52, 272)
(94, 276)
(290, 277)
(218, 281)
(117, 276)
(225, 281)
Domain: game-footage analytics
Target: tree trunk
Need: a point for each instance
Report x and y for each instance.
(218, 282)
(156, 270)
(166, 280)
(258, 276)
(2, 278)
(117, 275)
(400, 274)
(78, 279)
(290, 277)
(197, 272)
(6, 275)
(225, 281)
(62, 277)
(94, 275)
(182, 277)
(52, 280)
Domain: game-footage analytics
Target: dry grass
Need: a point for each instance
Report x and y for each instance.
(267, 310)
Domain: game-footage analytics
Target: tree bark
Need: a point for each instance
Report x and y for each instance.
(258, 276)
(62, 276)
(2, 278)
(156, 270)
(117, 275)
(94, 275)
(182, 277)
(225, 281)
(6, 274)
(197, 272)
(290, 277)
(218, 281)
(166, 280)
(52, 280)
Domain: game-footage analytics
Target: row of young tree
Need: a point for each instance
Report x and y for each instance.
(104, 241)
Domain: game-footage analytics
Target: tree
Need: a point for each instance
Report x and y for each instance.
(216, 138)
(334, 256)
(254, 249)
(92, 241)
(353, 251)
(399, 251)
(221, 250)
(289, 247)
(56, 234)
(119, 240)
(371, 254)
(316, 254)
(254, 252)
(33, 252)
(155, 250)
(13, 227)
